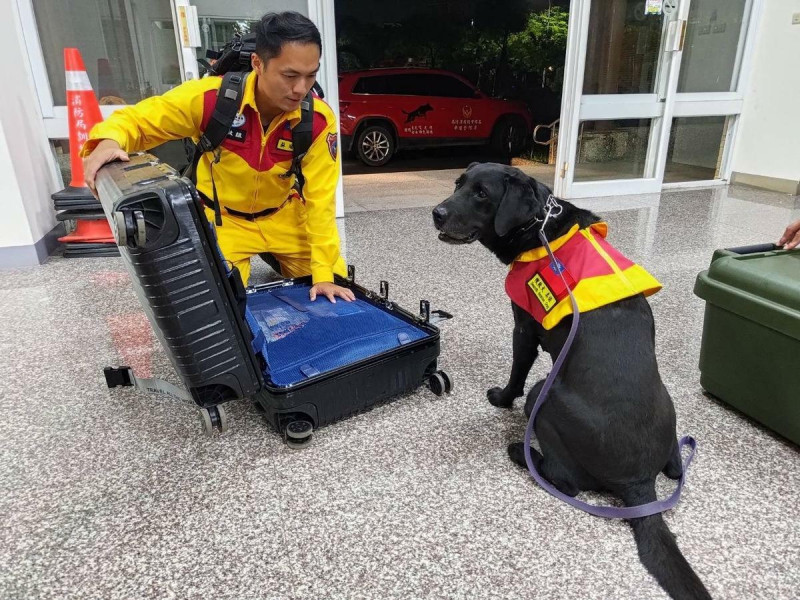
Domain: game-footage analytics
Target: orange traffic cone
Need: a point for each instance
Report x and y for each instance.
(95, 231)
(83, 112)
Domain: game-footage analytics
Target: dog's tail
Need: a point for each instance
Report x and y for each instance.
(658, 551)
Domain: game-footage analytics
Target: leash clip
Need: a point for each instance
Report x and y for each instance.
(554, 209)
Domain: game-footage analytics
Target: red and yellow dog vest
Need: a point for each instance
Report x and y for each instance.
(595, 271)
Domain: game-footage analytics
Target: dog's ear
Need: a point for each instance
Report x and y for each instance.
(517, 206)
(472, 164)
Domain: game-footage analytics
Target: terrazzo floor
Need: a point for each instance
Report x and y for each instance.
(114, 494)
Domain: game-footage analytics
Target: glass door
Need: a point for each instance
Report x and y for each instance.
(709, 93)
(652, 92)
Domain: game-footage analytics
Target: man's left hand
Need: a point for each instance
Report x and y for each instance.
(331, 291)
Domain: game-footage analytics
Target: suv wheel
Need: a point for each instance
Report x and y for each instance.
(509, 136)
(375, 145)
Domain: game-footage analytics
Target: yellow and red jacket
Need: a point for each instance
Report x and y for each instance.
(595, 271)
(251, 160)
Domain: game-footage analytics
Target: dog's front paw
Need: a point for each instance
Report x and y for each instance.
(497, 397)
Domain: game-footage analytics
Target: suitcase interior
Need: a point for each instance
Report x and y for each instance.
(300, 339)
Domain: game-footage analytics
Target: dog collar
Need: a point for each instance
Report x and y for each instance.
(539, 253)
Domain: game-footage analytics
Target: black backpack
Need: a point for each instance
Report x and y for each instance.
(233, 63)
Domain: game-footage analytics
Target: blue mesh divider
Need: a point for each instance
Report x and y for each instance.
(303, 338)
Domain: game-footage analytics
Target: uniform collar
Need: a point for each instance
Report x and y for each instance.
(249, 99)
(539, 253)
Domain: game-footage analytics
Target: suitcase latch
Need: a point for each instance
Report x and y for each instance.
(432, 317)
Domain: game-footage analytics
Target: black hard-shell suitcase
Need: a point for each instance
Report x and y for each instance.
(307, 364)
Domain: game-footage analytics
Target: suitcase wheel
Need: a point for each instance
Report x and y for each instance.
(440, 383)
(298, 434)
(214, 418)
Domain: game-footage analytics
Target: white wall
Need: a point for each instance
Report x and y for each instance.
(27, 170)
(14, 230)
(768, 141)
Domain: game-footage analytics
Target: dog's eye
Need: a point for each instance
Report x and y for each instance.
(482, 193)
(458, 184)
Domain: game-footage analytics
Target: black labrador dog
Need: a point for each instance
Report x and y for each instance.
(608, 423)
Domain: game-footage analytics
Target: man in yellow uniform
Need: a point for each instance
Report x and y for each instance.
(301, 233)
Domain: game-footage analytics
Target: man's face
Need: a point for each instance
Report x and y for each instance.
(284, 80)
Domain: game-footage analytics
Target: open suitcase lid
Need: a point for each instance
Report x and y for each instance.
(180, 279)
(194, 303)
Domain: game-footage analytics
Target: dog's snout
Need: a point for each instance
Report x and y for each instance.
(439, 215)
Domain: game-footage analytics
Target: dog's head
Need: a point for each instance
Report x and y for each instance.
(489, 202)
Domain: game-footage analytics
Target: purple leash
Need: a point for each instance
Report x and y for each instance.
(610, 512)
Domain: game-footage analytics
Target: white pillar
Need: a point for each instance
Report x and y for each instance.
(322, 13)
(28, 173)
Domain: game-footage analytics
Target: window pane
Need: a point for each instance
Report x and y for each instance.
(612, 149)
(215, 32)
(219, 21)
(695, 148)
(370, 85)
(411, 85)
(622, 48)
(711, 46)
(445, 87)
(128, 48)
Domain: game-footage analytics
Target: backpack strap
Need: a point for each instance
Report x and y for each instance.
(229, 99)
(301, 141)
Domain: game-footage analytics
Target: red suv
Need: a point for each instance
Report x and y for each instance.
(382, 110)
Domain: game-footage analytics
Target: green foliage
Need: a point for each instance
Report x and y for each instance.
(542, 43)
(481, 43)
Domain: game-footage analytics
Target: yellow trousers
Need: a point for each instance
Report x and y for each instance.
(282, 234)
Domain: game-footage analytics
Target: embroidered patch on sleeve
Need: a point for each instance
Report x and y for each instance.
(333, 144)
(542, 292)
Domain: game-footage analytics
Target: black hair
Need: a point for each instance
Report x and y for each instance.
(276, 29)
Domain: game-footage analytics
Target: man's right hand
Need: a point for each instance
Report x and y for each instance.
(791, 237)
(105, 152)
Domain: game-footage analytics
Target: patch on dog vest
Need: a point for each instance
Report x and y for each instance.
(542, 292)
(596, 272)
